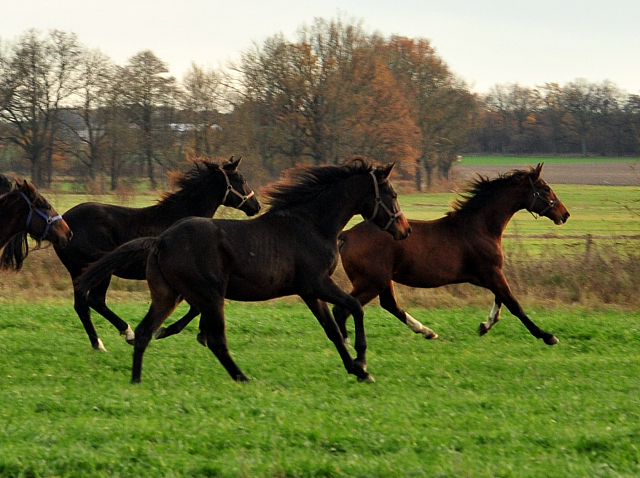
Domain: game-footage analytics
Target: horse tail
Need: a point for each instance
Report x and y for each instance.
(125, 255)
(15, 252)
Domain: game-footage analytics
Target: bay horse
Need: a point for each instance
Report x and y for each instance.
(24, 213)
(101, 228)
(464, 246)
(292, 249)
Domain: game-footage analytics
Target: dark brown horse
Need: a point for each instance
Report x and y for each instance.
(100, 228)
(5, 184)
(25, 212)
(292, 249)
(463, 246)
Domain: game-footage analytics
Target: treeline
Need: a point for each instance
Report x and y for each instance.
(333, 92)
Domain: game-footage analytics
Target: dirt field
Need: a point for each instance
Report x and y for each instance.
(613, 174)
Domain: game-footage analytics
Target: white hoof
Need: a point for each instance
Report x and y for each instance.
(100, 346)
(368, 379)
(128, 334)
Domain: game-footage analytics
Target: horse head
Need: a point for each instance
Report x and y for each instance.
(43, 221)
(386, 213)
(542, 200)
(238, 194)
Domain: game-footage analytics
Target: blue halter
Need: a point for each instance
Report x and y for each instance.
(50, 220)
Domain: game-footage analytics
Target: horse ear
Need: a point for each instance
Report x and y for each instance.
(232, 165)
(538, 170)
(384, 171)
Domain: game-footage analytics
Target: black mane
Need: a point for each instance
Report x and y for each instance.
(191, 181)
(481, 189)
(305, 184)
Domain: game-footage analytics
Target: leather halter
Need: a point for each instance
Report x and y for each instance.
(536, 196)
(231, 190)
(50, 219)
(379, 204)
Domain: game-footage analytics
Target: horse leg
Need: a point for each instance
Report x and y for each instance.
(389, 301)
(179, 325)
(97, 301)
(81, 306)
(363, 295)
(494, 316)
(212, 328)
(321, 311)
(503, 295)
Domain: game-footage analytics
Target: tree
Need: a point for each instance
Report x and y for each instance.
(149, 95)
(37, 77)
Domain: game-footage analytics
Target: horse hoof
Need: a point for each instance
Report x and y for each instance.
(100, 346)
(551, 340)
(430, 335)
(368, 379)
(202, 339)
(161, 333)
(129, 336)
(482, 329)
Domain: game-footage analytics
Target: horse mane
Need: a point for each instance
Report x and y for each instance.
(190, 181)
(481, 189)
(16, 251)
(306, 183)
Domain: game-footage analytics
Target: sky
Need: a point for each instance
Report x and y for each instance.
(485, 43)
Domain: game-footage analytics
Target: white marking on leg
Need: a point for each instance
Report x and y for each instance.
(418, 328)
(101, 346)
(129, 336)
(494, 316)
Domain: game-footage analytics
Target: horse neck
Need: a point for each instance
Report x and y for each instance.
(331, 213)
(498, 211)
(204, 205)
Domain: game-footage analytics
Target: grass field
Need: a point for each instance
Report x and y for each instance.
(502, 405)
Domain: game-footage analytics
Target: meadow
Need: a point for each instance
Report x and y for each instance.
(502, 405)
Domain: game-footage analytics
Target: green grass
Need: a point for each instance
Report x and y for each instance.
(504, 405)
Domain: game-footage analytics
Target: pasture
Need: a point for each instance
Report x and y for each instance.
(502, 405)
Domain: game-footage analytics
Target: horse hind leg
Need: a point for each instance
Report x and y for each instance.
(494, 317)
(179, 325)
(212, 327)
(389, 302)
(97, 301)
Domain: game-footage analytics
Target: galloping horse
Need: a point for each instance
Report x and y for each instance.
(463, 246)
(292, 249)
(24, 212)
(101, 228)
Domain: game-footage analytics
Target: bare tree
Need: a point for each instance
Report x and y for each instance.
(37, 77)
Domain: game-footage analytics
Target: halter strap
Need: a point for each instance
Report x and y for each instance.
(49, 219)
(379, 204)
(231, 190)
(536, 196)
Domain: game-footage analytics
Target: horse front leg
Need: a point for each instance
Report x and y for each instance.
(389, 302)
(321, 311)
(503, 295)
(494, 317)
(81, 306)
(97, 301)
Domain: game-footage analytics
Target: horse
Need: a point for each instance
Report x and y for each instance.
(25, 212)
(101, 228)
(5, 184)
(464, 246)
(292, 249)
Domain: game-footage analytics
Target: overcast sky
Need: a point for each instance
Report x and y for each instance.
(484, 42)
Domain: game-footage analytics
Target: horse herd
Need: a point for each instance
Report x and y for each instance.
(291, 249)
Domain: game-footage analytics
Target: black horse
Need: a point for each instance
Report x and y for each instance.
(5, 184)
(100, 228)
(292, 249)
